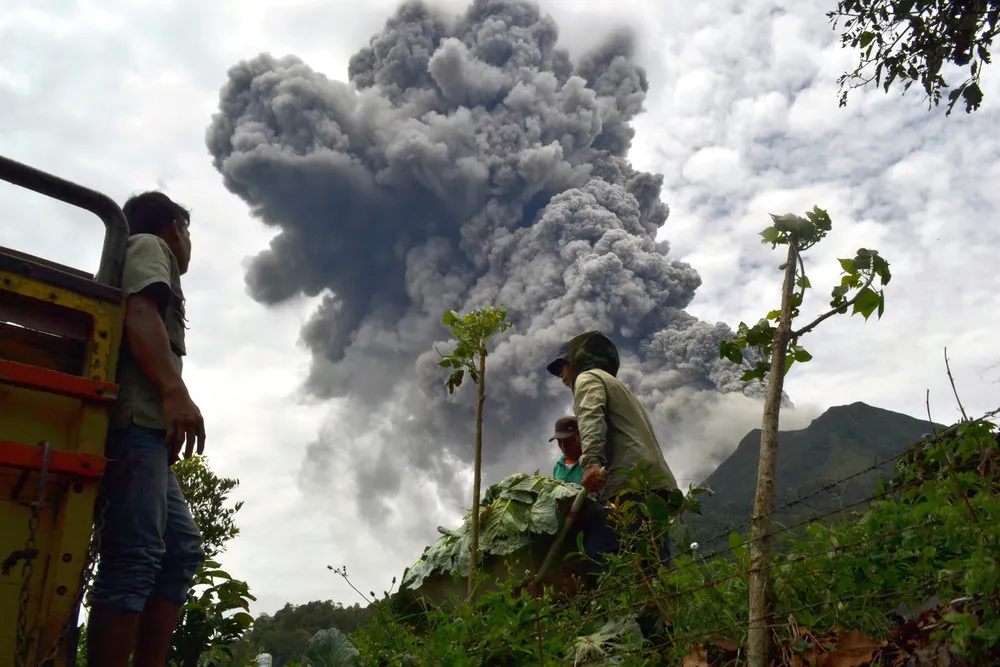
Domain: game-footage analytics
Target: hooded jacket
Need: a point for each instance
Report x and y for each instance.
(615, 430)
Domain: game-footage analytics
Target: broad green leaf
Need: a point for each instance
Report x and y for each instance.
(770, 235)
(659, 511)
(330, 648)
(544, 515)
(244, 619)
(867, 301)
(847, 265)
(455, 380)
(731, 351)
(675, 500)
(863, 261)
(736, 540)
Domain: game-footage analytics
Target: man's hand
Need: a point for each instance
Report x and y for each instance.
(184, 423)
(593, 479)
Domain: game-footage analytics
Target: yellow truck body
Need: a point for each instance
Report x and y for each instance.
(60, 331)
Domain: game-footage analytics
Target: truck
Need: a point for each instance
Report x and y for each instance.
(60, 332)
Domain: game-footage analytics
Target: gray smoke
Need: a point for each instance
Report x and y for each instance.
(468, 162)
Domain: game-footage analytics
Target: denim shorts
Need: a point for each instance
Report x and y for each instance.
(150, 546)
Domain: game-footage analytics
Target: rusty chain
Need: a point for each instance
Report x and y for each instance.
(29, 554)
(85, 575)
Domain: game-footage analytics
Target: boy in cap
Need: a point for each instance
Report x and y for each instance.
(567, 467)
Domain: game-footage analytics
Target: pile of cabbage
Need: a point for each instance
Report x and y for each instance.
(511, 512)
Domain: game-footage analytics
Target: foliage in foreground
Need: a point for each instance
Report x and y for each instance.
(217, 611)
(285, 634)
(778, 348)
(216, 614)
(473, 332)
(927, 544)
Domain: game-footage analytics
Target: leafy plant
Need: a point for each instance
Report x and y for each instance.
(216, 614)
(207, 496)
(515, 510)
(776, 347)
(473, 331)
(217, 611)
(285, 634)
(330, 648)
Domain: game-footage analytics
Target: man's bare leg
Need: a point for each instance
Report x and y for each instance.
(156, 627)
(111, 637)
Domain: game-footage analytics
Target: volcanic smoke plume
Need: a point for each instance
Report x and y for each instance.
(468, 162)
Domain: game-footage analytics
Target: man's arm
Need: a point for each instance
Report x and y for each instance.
(148, 340)
(146, 283)
(589, 401)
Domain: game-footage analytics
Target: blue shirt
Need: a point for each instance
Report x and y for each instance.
(568, 473)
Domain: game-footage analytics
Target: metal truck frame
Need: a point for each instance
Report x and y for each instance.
(60, 332)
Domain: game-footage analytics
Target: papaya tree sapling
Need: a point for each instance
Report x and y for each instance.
(775, 349)
(472, 333)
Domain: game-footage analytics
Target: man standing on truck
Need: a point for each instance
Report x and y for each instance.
(615, 431)
(150, 546)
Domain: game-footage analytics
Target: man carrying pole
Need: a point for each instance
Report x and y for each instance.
(615, 433)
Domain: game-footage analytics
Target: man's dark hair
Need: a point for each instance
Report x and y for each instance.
(152, 213)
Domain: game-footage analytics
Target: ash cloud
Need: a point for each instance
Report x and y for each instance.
(468, 162)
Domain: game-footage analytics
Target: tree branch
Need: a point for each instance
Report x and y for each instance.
(802, 267)
(951, 379)
(833, 311)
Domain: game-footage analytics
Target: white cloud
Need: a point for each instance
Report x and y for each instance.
(743, 120)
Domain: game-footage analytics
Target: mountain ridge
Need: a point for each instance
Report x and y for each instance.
(848, 446)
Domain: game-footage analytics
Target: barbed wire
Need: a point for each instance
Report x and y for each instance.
(815, 518)
(931, 438)
(864, 541)
(649, 570)
(657, 584)
(671, 596)
(744, 624)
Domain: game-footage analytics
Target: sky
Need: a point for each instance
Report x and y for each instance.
(741, 118)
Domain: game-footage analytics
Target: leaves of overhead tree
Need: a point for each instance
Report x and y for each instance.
(914, 42)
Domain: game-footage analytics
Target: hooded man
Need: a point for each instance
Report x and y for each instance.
(615, 430)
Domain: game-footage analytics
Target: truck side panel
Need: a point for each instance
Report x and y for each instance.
(59, 339)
